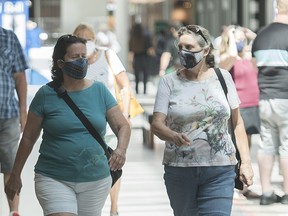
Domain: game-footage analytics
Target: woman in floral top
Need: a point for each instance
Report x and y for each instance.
(192, 114)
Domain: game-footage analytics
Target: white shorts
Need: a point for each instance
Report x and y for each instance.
(82, 199)
(274, 126)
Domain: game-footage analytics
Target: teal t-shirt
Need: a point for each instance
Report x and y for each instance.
(68, 151)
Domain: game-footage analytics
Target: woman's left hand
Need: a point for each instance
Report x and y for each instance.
(246, 173)
(249, 34)
(117, 159)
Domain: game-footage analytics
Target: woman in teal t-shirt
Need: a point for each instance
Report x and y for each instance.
(72, 167)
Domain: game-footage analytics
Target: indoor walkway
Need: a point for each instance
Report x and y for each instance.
(143, 192)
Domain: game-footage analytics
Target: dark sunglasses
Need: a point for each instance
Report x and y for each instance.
(196, 29)
(67, 36)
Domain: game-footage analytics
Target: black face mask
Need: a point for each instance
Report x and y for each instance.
(190, 59)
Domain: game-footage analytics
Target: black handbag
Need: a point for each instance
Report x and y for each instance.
(62, 93)
(238, 183)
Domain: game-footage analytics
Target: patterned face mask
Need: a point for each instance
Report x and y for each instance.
(76, 69)
(190, 59)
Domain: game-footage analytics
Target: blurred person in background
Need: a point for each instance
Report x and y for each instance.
(106, 67)
(169, 61)
(140, 46)
(270, 49)
(235, 56)
(191, 114)
(217, 44)
(159, 44)
(107, 38)
(13, 111)
(72, 173)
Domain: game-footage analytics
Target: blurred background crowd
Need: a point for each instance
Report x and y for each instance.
(39, 23)
(143, 34)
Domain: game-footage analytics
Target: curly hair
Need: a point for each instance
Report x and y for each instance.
(59, 52)
(203, 38)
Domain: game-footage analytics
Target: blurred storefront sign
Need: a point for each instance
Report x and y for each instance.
(14, 15)
(145, 1)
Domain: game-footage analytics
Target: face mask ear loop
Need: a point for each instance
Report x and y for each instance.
(208, 51)
(60, 63)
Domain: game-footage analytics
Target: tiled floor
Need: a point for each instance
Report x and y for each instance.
(143, 192)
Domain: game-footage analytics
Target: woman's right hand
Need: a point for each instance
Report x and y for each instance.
(181, 139)
(117, 159)
(13, 186)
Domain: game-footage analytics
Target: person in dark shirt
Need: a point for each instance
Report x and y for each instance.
(270, 49)
(140, 44)
(169, 60)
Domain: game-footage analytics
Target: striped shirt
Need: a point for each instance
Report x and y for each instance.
(12, 60)
(270, 48)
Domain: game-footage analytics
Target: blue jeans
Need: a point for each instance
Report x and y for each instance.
(198, 191)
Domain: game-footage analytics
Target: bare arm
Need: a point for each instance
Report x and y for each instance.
(164, 62)
(21, 89)
(122, 130)
(250, 35)
(227, 62)
(253, 60)
(246, 171)
(30, 135)
(228, 58)
(160, 129)
(130, 61)
(124, 85)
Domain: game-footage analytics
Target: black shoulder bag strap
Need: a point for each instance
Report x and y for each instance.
(62, 93)
(224, 87)
(238, 184)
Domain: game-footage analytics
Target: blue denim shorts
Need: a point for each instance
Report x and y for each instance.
(9, 139)
(199, 191)
(82, 199)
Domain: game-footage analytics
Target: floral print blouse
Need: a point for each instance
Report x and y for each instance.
(201, 111)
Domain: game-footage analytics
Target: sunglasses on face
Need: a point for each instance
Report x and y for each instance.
(197, 30)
